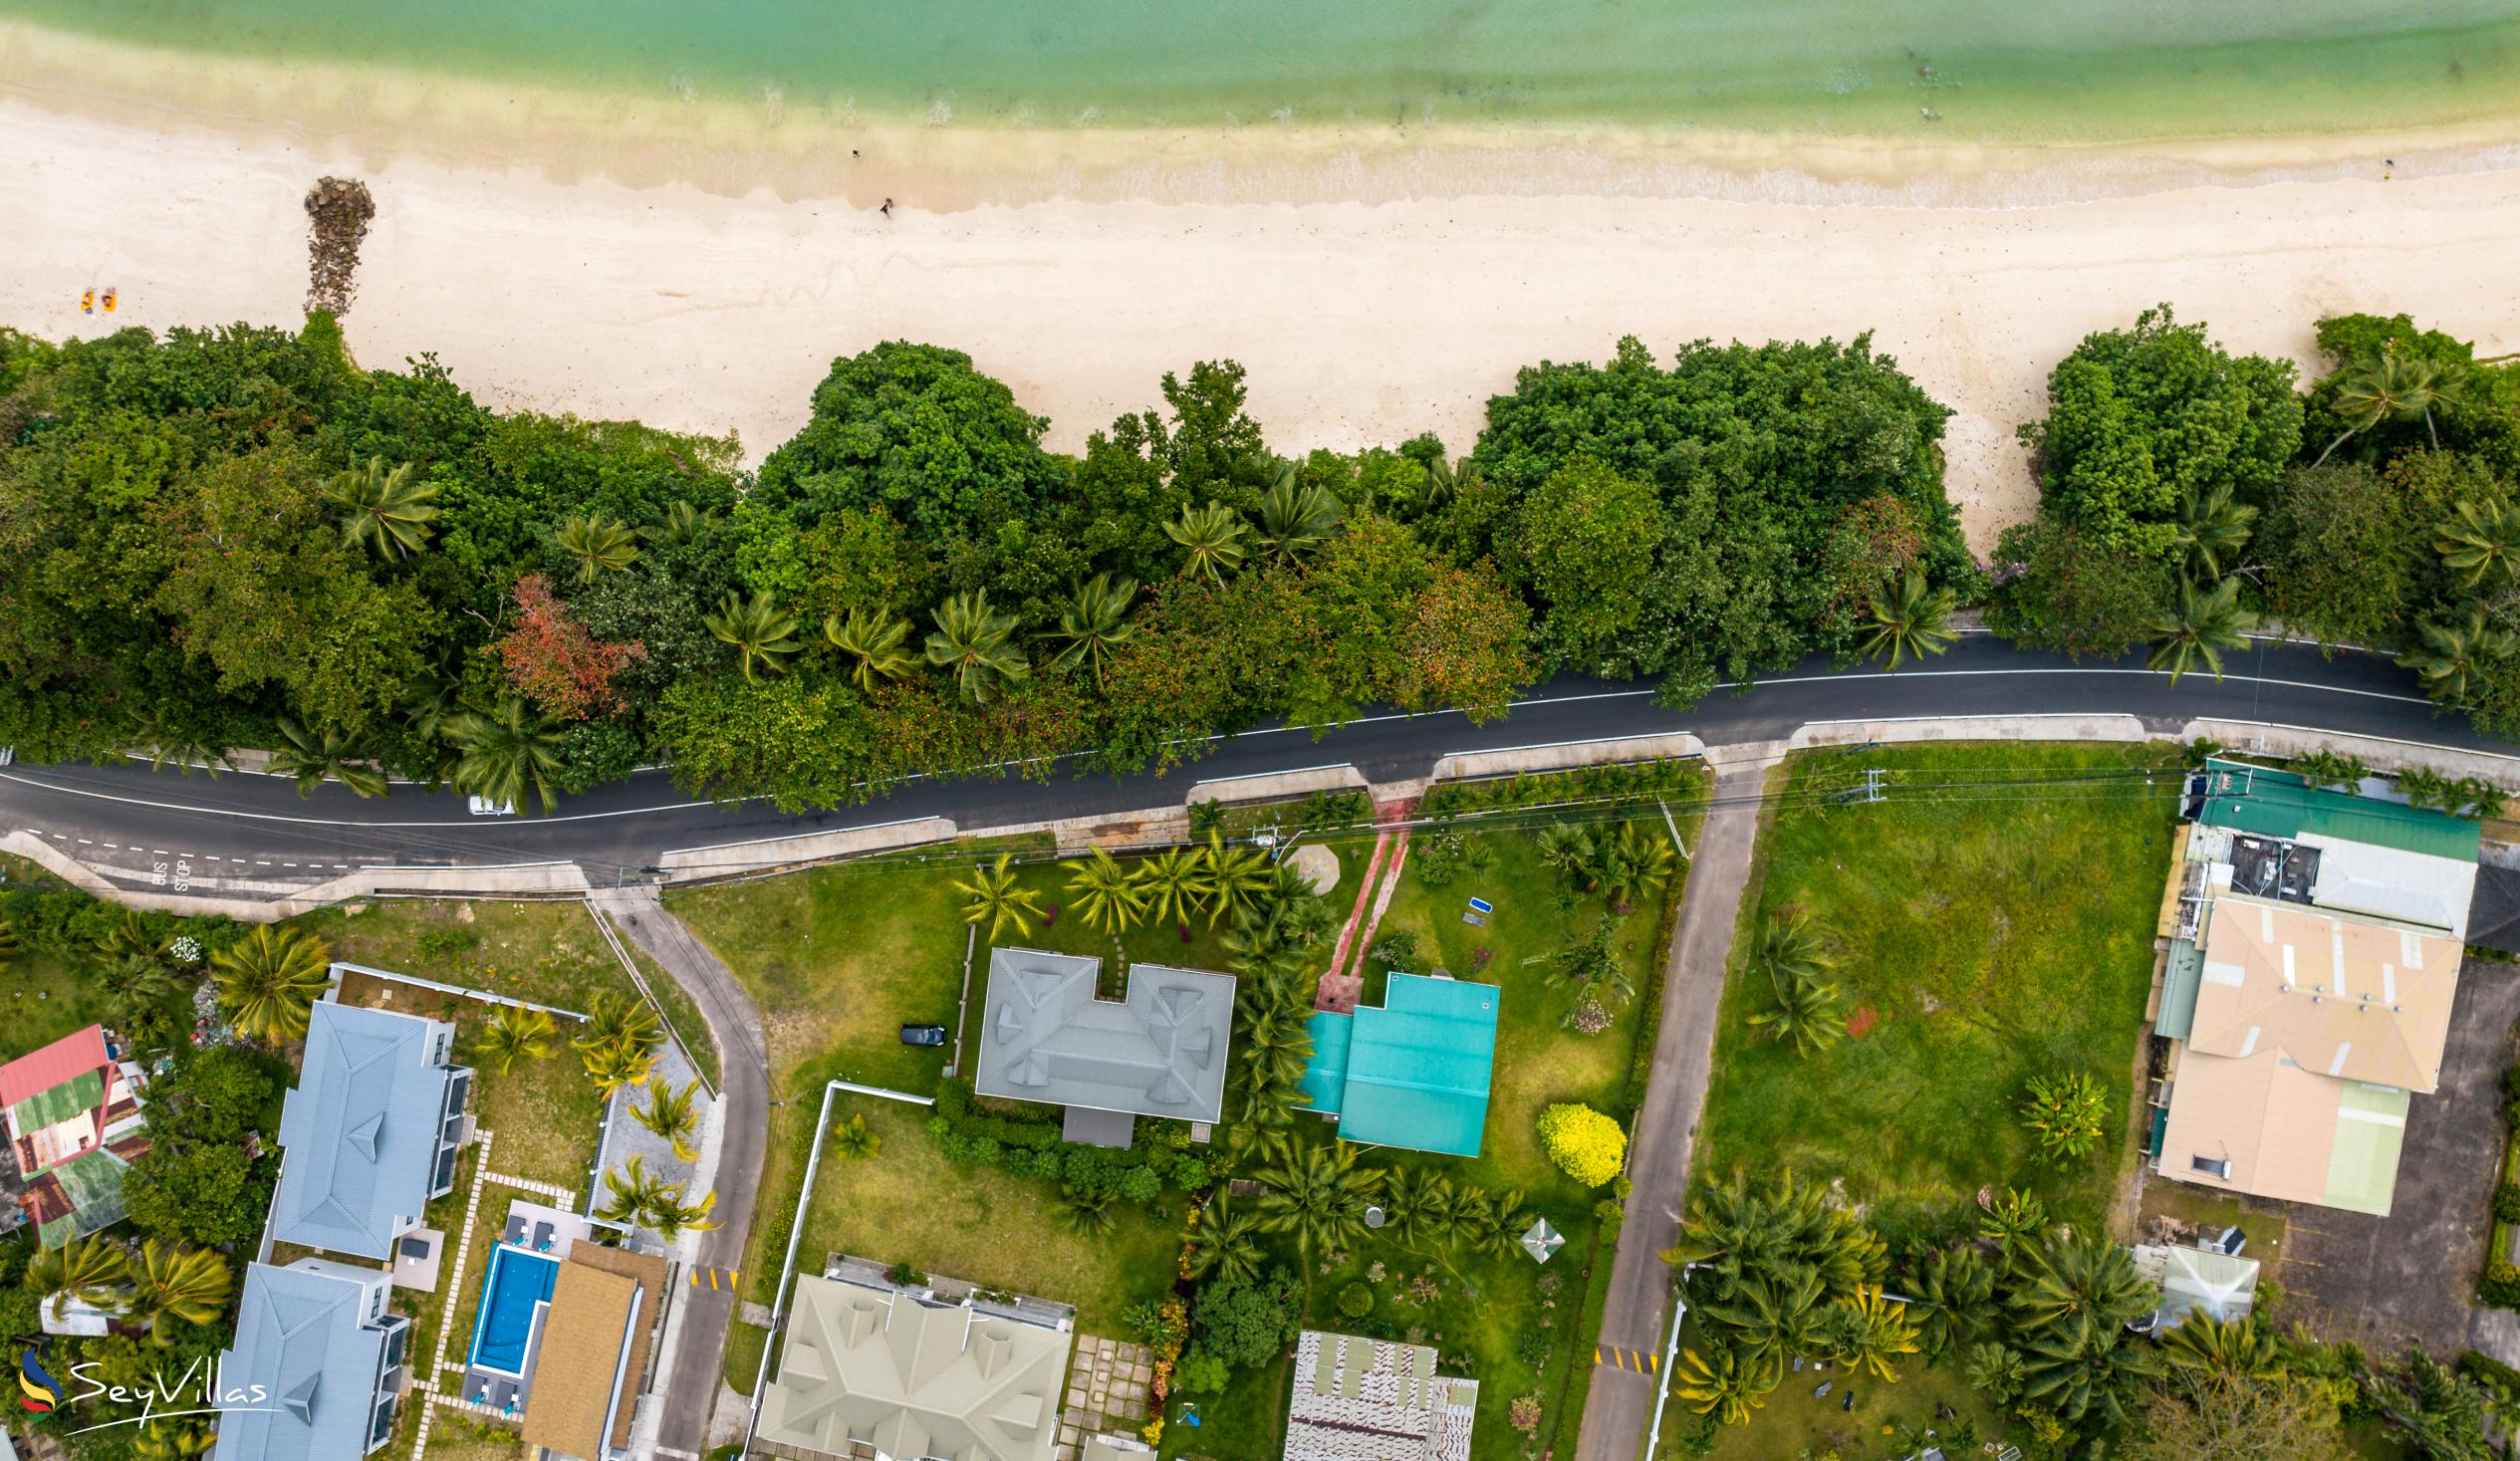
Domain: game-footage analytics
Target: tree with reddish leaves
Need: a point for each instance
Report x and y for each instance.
(552, 660)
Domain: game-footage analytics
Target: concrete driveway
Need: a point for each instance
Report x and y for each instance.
(2410, 1277)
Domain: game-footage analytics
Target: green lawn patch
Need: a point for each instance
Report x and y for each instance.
(911, 1205)
(1991, 923)
(837, 959)
(547, 953)
(50, 994)
(744, 1344)
(1795, 1422)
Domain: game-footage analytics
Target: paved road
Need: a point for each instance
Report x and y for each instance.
(124, 819)
(1639, 1303)
(690, 1391)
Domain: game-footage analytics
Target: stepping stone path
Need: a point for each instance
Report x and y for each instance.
(1109, 1385)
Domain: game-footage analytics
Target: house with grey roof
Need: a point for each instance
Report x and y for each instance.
(318, 1365)
(903, 1371)
(1158, 1051)
(371, 1131)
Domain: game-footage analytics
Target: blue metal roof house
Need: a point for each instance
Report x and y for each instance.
(327, 1356)
(371, 1131)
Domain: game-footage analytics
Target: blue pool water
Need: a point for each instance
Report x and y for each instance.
(516, 1282)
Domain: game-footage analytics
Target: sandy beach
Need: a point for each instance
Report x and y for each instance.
(1365, 310)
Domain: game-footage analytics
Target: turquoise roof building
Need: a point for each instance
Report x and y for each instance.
(1412, 1074)
(2278, 804)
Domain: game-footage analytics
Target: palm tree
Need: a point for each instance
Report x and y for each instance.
(1086, 1210)
(514, 1031)
(2452, 655)
(171, 743)
(763, 633)
(1793, 948)
(174, 1280)
(2013, 1216)
(670, 1114)
(1567, 849)
(874, 639)
(1320, 1197)
(1908, 622)
(92, 1270)
(1295, 520)
(1955, 1299)
(2387, 388)
(2199, 629)
(1633, 863)
(629, 1193)
(2212, 529)
(1446, 480)
(618, 1019)
(1421, 1204)
(1727, 1386)
(385, 509)
(1233, 879)
(2077, 1284)
(976, 645)
(1171, 883)
(854, 1140)
(1771, 1313)
(1278, 1048)
(1225, 1246)
(996, 900)
(507, 756)
(670, 1217)
(1491, 1221)
(2224, 1352)
(685, 524)
(1870, 1333)
(2482, 540)
(599, 544)
(614, 1067)
(1108, 898)
(1095, 622)
(1213, 536)
(269, 979)
(311, 758)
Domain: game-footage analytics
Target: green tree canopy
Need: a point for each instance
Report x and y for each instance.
(2140, 419)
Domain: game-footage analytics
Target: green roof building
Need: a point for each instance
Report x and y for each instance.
(2278, 804)
(1415, 1072)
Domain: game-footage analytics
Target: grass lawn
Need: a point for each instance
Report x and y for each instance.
(543, 952)
(50, 994)
(837, 959)
(456, 1436)
(1992, 934)
(911, 1205)
(1794, 1422)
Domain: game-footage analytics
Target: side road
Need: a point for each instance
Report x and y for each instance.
(1639, 1308)
(690, 1389)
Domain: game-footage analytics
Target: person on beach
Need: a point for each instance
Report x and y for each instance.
(888, 209)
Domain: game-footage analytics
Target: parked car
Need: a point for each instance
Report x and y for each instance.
(484, 806)
(922, 1034)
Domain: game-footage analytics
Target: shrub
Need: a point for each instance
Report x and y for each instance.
(1394, 950)
(1201, 1374)
(2493, 1375)
(1585, 1143)
(1436, 858)
(2068, 1112)
(907, 1275)
(1524, 1413)
(1609, 1215)
(2507, 1202)
(1356, 1302)
(2501, 1287)
(1532, 1348)
(1139, 1184)
(1191, 1173)
(1246, 1324)
(437, 943)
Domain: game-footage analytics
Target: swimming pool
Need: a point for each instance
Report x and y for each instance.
(515, 1285)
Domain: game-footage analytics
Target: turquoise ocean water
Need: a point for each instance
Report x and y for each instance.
(1961, 70)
